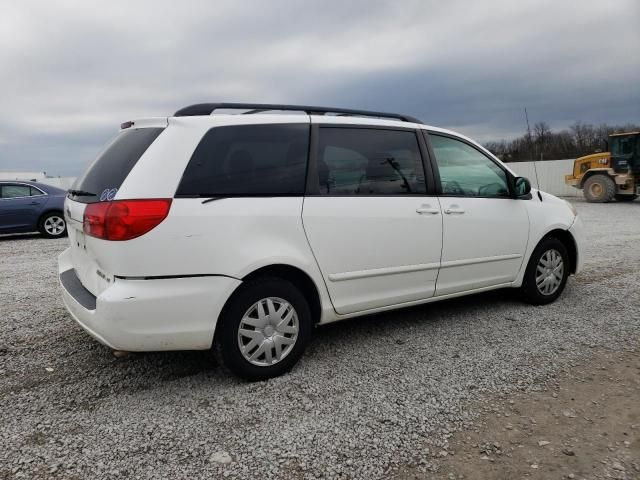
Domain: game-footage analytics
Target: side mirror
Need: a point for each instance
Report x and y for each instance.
(522, 187)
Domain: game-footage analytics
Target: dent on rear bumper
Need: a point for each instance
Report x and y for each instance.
(153, 315)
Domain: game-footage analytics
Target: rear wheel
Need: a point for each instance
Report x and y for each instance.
(52, 225)
(547, 272)
(599, 188)
(626, 198)
(264, 329)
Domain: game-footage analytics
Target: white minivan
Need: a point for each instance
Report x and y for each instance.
(243, 231)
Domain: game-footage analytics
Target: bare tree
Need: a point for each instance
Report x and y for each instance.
(541, 133)
(580, 139)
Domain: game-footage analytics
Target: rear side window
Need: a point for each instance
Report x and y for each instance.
(245, 160)
(105, 175)
(367, 161)
(14, 191)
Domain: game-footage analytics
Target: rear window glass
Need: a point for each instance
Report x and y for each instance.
(245, 160)
(105, 175)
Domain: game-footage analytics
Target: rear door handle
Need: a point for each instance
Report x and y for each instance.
(454, 210)
(427, 209)
(34, 203)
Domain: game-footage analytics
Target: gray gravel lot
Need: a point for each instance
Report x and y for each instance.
(370, 394)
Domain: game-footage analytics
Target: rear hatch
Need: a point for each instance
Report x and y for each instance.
(100, 183)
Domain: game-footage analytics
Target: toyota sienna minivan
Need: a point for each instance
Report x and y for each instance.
(240, 227)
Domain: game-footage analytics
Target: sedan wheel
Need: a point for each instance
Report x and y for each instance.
(53, 226)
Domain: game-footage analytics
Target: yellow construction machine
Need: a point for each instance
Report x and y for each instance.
(610, 175)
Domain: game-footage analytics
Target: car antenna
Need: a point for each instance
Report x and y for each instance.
(533, 157)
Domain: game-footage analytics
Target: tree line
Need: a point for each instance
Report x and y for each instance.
(542, 143)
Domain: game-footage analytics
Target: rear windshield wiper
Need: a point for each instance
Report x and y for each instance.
(82, 193)
(212, 199)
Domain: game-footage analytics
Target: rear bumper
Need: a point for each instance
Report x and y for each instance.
(148, 315)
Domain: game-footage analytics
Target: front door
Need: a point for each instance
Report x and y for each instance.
(485, 230)
(375, 233)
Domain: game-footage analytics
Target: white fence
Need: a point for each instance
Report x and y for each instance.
(60, 182)
(550, 175)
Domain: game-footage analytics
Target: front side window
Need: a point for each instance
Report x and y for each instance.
(246, 160)
(465, 171)
(369, 161)
(15, 191)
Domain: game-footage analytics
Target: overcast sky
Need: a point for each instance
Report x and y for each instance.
(72, 71)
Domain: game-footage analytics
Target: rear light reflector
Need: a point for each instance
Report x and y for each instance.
(124, 219)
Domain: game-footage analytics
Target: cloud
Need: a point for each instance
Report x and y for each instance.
(72, 72)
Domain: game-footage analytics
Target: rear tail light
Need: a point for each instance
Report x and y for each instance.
(124, 219)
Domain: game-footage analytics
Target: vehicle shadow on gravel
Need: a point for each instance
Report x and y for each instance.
(399, 322)
(330, 342)
(333, 343)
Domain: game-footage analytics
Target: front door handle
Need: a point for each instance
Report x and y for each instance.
(454, 210)
(427, 209)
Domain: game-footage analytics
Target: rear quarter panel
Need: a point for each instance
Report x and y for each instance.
(231, 237)
(54, 203)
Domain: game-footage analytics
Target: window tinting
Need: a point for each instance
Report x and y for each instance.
(367, 161)
(248, 160)
(14, 191)
(105, 175)
(465, 172)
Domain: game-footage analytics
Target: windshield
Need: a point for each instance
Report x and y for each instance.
(624, 146)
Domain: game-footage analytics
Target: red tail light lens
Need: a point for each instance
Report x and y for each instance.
(124, 219)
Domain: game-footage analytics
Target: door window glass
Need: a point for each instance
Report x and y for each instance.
(465, 171)
(368, 161)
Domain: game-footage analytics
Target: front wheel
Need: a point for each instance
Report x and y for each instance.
(547, 272)
(52, 225)
(264, 329)
(599, 188)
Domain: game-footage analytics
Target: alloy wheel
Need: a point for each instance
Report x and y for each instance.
(54, 225)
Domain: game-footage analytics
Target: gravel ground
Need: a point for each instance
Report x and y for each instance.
(370, 395)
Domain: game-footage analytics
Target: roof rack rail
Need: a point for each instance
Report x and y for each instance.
(209, 108)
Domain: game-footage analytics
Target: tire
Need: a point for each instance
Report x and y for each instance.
(533, 290)
(626, 198)
(241, 316)
(599, 189)
(52, 225)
